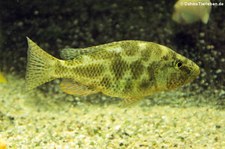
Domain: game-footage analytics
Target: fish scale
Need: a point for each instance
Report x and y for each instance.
(127, 69)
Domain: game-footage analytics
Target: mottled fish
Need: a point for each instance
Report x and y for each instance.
(127, 69)
(190, 11)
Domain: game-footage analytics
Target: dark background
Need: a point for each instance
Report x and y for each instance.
(56, 24)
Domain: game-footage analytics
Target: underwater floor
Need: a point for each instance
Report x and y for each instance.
(35, 120)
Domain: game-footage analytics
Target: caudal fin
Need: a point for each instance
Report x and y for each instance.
(40, 66)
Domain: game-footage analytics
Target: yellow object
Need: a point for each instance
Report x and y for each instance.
(2, 78)
(126, 69)
(190, 11)
(2, 145)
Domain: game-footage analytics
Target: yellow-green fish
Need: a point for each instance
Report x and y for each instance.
(2, 78)
(190, 11)
(127, 69)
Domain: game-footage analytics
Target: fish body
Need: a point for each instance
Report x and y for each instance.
(190, 11)
(126, 69)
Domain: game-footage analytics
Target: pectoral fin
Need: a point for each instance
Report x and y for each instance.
(74, 88)
(205, 18)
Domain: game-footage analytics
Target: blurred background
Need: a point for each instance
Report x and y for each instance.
(189, 117)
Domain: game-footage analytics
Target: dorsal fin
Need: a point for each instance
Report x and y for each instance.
(74, 88)
(71, 53)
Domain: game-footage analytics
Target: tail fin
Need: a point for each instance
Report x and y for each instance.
(40, 66)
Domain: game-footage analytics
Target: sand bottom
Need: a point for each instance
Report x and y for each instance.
(28, 121)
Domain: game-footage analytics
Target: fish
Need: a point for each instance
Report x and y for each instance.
(2, 78)
(129, 69)
(191, 11)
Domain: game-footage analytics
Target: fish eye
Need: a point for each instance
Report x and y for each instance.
(179, 64)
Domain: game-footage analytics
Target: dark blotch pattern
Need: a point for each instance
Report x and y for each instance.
(173, 55)
(137, 69)
(152, 72)
(130, 49)
(90, 71)
(185, 69)
(145, 84)
(157, 50)
(128, 86)
(103, 54)
(106, 82)
(119, 67)
(146, 54)
(166, 57)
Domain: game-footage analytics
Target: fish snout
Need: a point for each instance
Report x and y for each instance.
(194, 74)
(196, 71)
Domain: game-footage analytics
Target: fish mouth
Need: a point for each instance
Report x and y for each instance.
(195, 73)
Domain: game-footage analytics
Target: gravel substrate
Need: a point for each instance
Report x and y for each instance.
(35, 120)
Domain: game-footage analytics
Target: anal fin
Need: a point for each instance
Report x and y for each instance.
(127, 102)
(74, 88)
